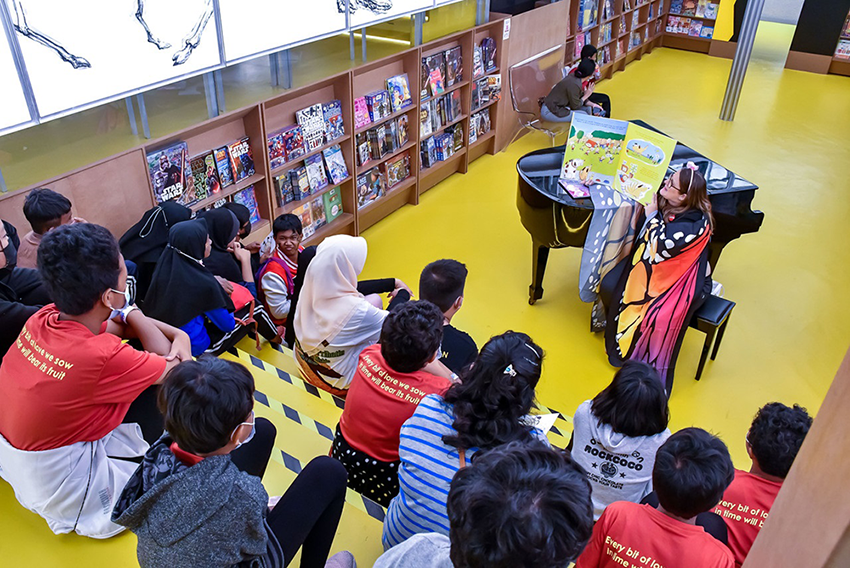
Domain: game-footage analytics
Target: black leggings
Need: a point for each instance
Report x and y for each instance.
(307, 515)
(602, 100)
(712, 523)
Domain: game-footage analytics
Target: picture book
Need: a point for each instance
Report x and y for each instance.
(198, 166)
(628, 157)
(316, 173)
(435, 79)
(845, 31)
(300, 183)
(317, 210)
(364, 148)
(283, 185)
(579, 45)
(312, 123)
(635, 19)
(378, 104)
(425, 120)
(377, 141)
(436, 64)
(842, 51)
(700, 10)
(488, 54)
(241, 159)
(305, 213)
(402, 130)
(424, 72)
(689, 7)
(391, 134)
(277, 152)
(399, 89)
(607, 10)
(334, 128)
(711, 10)
(676, 6)
(695, 29)
(477, 62)
(473, 128)
(454, 66)
(189, 197)
(335, 162)
(293, 142)
(622, 27)
(221, 164)
(457, 134)
(361, 113)
(370, 186)
(398, 169)
(167, 169)
(707, 32)
(248, 198)
(332, 201)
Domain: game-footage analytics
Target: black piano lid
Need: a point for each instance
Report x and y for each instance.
(541, 170)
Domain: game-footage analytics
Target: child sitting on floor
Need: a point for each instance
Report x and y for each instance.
(692, 470)
(191, 504)
(45, 209)
(775, 437)
(276, 277)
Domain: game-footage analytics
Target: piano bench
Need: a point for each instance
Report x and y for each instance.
(711, 318)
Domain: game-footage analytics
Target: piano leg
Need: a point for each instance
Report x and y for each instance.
(539, 254)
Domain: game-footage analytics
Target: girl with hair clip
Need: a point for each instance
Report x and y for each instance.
(487, 409)
(665, 279)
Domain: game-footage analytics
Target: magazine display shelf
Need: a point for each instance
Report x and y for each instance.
(649, 28)
(116, 191)
(686, 41)
(841, 65)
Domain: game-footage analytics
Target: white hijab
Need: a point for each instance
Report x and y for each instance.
(329, 297)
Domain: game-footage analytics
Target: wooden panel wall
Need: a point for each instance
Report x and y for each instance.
(809, 524)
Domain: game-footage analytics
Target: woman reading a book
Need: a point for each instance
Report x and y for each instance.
(652, 294)
(334, 321)
(568, 96)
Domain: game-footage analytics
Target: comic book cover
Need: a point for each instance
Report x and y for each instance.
(333, 204)
(300, 183)
(277, 151)
(241, 159)
(334, 127)
(317, 210)
(337, 170)
(364, 148)
(399, 90)
(425, 119)
(477, 62)
(305, 213)
(473, 128)
(402, 130)
(198, 166)
(283, 184)
(425, 72)
(378, 104)
(458, 137)
(454, 66)
(312, 123)
(221, 165)
(488, 52)
(293, 142)
(361, 113)
(316, 173)
(167, 169)
(370, 186)
(248, 198)
(213, 172)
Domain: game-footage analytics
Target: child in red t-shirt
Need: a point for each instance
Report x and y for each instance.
(775, 437)
(391, 378)
(692, 469)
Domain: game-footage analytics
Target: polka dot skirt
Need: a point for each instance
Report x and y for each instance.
(373, 478)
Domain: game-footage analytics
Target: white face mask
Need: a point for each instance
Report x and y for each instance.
(250, 436)
(126, 293)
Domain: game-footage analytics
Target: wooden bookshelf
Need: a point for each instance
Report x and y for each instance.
(486, 142)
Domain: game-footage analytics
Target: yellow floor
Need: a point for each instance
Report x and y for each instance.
(786, 336)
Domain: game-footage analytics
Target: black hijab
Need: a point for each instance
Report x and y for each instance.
(243, 214)
(223, 227)
(145, 241)
(182, 288)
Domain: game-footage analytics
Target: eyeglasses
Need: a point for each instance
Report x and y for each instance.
(669, 183)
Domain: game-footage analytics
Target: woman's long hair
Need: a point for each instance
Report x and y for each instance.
(694, 188)
(496, 393)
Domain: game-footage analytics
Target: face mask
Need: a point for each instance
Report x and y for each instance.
(126, 293)
(11, 260)
(250, 435)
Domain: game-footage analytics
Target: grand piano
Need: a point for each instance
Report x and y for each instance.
(556, 220)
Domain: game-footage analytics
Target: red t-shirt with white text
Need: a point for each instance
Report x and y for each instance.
(628, 535)
(379, 401)
(744, 508)
(60, 384)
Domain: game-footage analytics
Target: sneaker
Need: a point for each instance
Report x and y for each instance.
(716, 289)
(342, 559)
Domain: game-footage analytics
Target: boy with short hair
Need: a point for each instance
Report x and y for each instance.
(442, 283)
(276, 276)
(692, 470)
(190, 503)
(516, 505)
(69, 382)
(775, 437)
(45, 209)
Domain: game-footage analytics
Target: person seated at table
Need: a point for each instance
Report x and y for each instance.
(197, 498)
(21, 291)
(185, 294)
(69, 382)
(144, 242)
(44, 209)
(589, 51)
(619, 432)
(392, 377)
(276, 277)
(773, 441)
(442, 283)
(487, 409)
(520, 504)
(692, 470)
(651, 295)
(335, 321)
(568, 97)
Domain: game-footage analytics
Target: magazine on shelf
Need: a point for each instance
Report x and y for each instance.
(457, 134)
(300, 182)
(293, 142)
(398, 169)
(361, 113)
(842, 50)
(312, 123)
(337, 170)
(221, 164)
(399, 89)
(317, 211)
(488, 54)
(333, 204)
(364, 148)
(378, 104)
(425, 119)
(477, 62)
(689, 7)
(695, 29)
(402, 130)
(283, 185)
(198, 167)
(334, 127)
(248, 198)
(277, 151)
(370, 186)
(711, 10)
(305, 214)
(631, 159)
(241, 159)
(316, 173)
(454, 66)
(424, 73)
(167, 168)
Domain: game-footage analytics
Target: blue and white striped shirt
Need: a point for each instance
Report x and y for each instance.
(425, 474)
